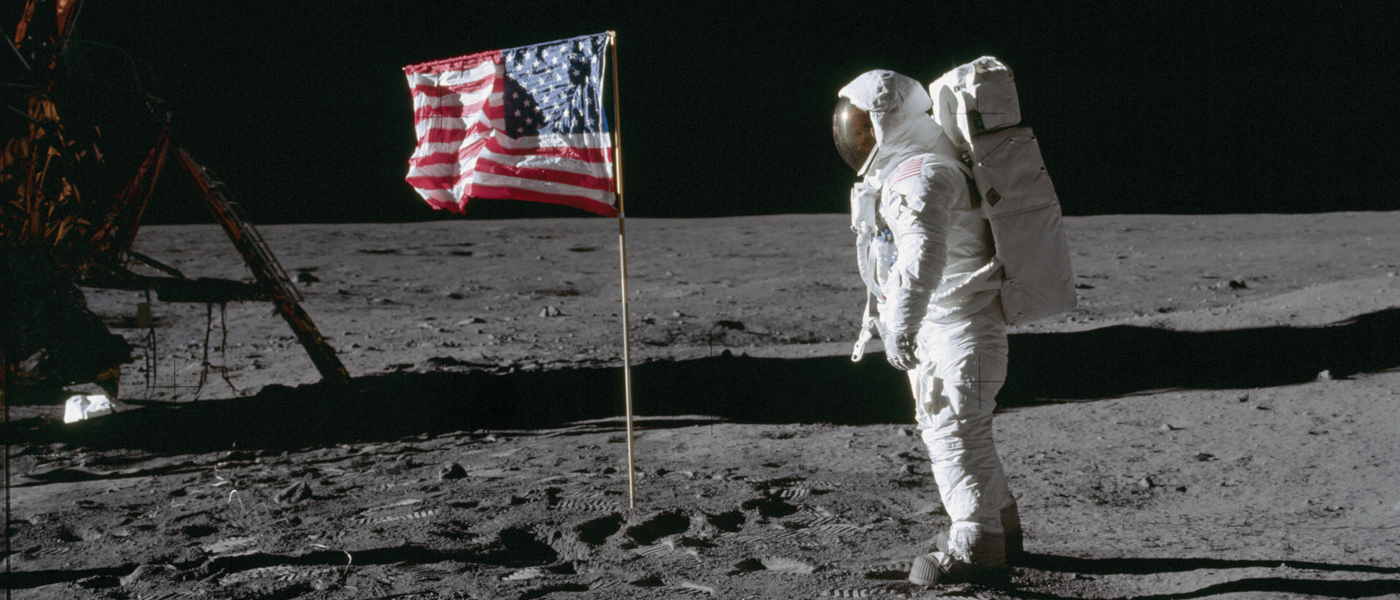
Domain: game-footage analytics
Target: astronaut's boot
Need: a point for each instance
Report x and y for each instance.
(966, 554)
(1010, 523)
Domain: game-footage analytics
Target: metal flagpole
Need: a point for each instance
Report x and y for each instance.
(622, 250)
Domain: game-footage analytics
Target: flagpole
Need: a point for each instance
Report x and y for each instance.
(622, 251)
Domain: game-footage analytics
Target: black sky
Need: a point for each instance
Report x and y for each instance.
(1141, 107)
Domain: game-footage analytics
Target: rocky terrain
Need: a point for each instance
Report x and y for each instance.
(1216, 420)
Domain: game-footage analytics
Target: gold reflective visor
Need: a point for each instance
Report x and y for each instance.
(854, 133)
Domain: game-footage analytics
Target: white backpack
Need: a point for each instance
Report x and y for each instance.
(978, 108)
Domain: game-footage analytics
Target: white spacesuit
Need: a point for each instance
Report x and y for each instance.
(936, 284)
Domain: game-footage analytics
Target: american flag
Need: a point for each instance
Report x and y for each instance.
(909, 168)
(521, 123)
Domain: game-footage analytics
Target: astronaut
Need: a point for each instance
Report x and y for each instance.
(928, 258)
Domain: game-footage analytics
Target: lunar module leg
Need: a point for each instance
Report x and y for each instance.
(266, 270)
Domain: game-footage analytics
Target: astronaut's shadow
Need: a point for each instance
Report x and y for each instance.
(1293, 580)
(1123, 360)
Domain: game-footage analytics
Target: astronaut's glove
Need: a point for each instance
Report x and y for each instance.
(899, 351)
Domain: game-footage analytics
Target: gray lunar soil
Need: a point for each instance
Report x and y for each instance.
(1217, 419)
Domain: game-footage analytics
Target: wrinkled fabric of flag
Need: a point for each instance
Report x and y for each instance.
(521, 123)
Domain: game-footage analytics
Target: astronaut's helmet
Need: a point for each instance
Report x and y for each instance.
(854, 133)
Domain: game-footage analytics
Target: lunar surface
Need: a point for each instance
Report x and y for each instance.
(1217, 419)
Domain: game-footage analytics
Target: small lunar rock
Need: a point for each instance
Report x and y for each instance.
(294, 493)
(649, 581)
(304, 277)
(471, 321)
(1237, 284)
(1324, 376)
(748, 565)
(451, 471)
(929, 509)
(98, 581)
(1145, 483)
(549, 311)
(145, 573)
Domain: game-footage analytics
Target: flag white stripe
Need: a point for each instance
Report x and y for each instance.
(552, 163)
(560, 141)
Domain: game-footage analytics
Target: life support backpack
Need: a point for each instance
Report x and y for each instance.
(978, 108)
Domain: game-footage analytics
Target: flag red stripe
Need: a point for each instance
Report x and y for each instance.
(423, 113)
(450, 135)
(439, 91)
(427, 111)
(483, 165)
(460, 63)
(486, 165)
(494, 110)
(507, 193)
(513, 193)
(590, 155)
(464, 154)
(453, 112)
(444, 136)
(435, 183)
(450, 204)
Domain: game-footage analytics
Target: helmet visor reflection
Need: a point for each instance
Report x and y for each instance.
(854, 133)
